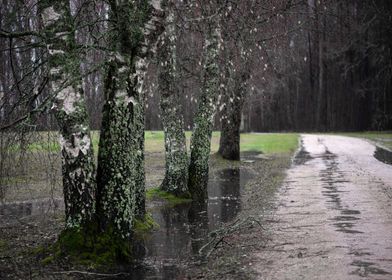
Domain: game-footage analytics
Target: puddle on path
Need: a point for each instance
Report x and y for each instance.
(334, 210)
(383, 155)
(367, 268)
(183, 229)
(333, 180)
(302, 156)
(333, 186)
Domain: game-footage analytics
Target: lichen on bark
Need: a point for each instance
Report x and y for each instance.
(176, 157)
(116, 166)
(78, 168)
(121, 194)
(203, 124)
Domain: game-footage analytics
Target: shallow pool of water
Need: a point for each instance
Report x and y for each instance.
(383, 155)
(183, 229)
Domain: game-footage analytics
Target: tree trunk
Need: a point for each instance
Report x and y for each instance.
(203, 124)
(229, 143)
(121, 188)
(78, 167)
(176, 169)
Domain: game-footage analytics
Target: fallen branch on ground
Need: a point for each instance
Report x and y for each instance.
(90, 273)
(217, 236)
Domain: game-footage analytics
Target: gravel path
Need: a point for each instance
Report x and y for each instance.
(334, 215)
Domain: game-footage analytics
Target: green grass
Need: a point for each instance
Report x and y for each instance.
(268, 143)
(170, 198)
(382, 138)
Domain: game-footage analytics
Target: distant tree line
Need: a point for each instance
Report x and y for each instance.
(322, 65)
(332, 73)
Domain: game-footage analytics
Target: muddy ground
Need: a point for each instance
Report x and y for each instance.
(241, 196)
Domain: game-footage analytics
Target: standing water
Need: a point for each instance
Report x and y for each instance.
(183, 229)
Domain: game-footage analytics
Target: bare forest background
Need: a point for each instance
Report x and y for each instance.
(313, 65)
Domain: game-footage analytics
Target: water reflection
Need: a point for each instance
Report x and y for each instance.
(333, 182)
(30, 208)
(183, 230)
(383, 155)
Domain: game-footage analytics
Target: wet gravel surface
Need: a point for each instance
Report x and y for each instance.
(334, 215)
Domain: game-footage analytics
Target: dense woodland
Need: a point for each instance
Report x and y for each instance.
(315, 65)
(123, 67)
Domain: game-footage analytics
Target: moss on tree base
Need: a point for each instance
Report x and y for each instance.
(144, 226)
(89, 247)
(96, 249)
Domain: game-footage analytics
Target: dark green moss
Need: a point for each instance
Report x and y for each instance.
(90, 247)
(48, 260)
(170, 198)
(3, 245)
(146, 225)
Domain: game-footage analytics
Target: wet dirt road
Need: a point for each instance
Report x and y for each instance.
(334, 215)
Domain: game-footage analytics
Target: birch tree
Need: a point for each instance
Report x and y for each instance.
(203, 123)
(78, 167)
(176, 158)
(135, 26)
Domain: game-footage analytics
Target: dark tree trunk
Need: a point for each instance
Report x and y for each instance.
(229, 143)
(176, 157)
(202, 132)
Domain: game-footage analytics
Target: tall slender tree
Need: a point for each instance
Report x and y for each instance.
(239, 42)
(176, 176)
(203, 123)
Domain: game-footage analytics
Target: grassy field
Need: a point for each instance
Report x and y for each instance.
(268, 143)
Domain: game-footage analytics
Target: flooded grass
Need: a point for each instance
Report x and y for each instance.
(236, 191)
(31, 213)
(183, 227)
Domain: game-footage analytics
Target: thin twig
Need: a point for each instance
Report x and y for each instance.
(90, 273)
